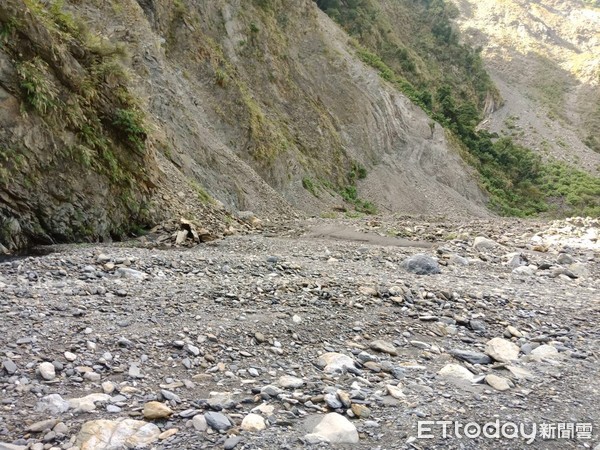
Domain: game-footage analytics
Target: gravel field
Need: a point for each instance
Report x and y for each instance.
(308, 334)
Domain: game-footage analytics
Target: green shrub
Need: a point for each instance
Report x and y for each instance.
(365, 207)
(571, 191)
(357, 172)
(349, 194)
(310, 186)
(221, 77)
(131, 122)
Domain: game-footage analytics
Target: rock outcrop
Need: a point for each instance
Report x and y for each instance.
(115, 120)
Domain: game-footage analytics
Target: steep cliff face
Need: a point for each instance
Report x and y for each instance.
(119, 114)
(544, 56)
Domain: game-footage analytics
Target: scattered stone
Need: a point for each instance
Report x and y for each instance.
(253, 423)
(512, 331)
(471, 356)
(289, 382)
(125, 272)
(271, 390)
(332, 401)
(70, 356)
(61, 428)
(565, 259)
(360, 411)
(92, 376)
(477, 325)
(421, 345)
(421, 265)
(265, 409)
(395, 391)
(519, 373)
(168, 433)
(483, 243)
(335, 429)
(108, 387)
(231, 442)
(335, 363)
(502, 350)
(456, 371)
(134, 371)
(87, 403)
(498, 383)
(217, 421)
(580, 270)
(44, 425)
(457, 260)
(9, 366)
(168, 395)
(156, 410)
(544, 352)
(344, 397)
(7, 446)
(384, 347)
(214, 360)
(199, 422)
(525, 270)
(368, 291)
(52, 404)
(47, 371)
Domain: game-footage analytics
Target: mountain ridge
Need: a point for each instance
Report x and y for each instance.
(543, 56)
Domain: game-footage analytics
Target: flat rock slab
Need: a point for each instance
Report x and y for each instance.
(117, 434)
(384, 347)
(498, 383)
(472, 357)
(456, 371)
(5, 446)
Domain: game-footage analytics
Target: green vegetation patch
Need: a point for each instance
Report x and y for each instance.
(76, 83)
(570, 191)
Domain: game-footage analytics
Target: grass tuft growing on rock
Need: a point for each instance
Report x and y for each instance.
(39, 91)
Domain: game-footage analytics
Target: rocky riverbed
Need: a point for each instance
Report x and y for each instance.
(311, 334)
